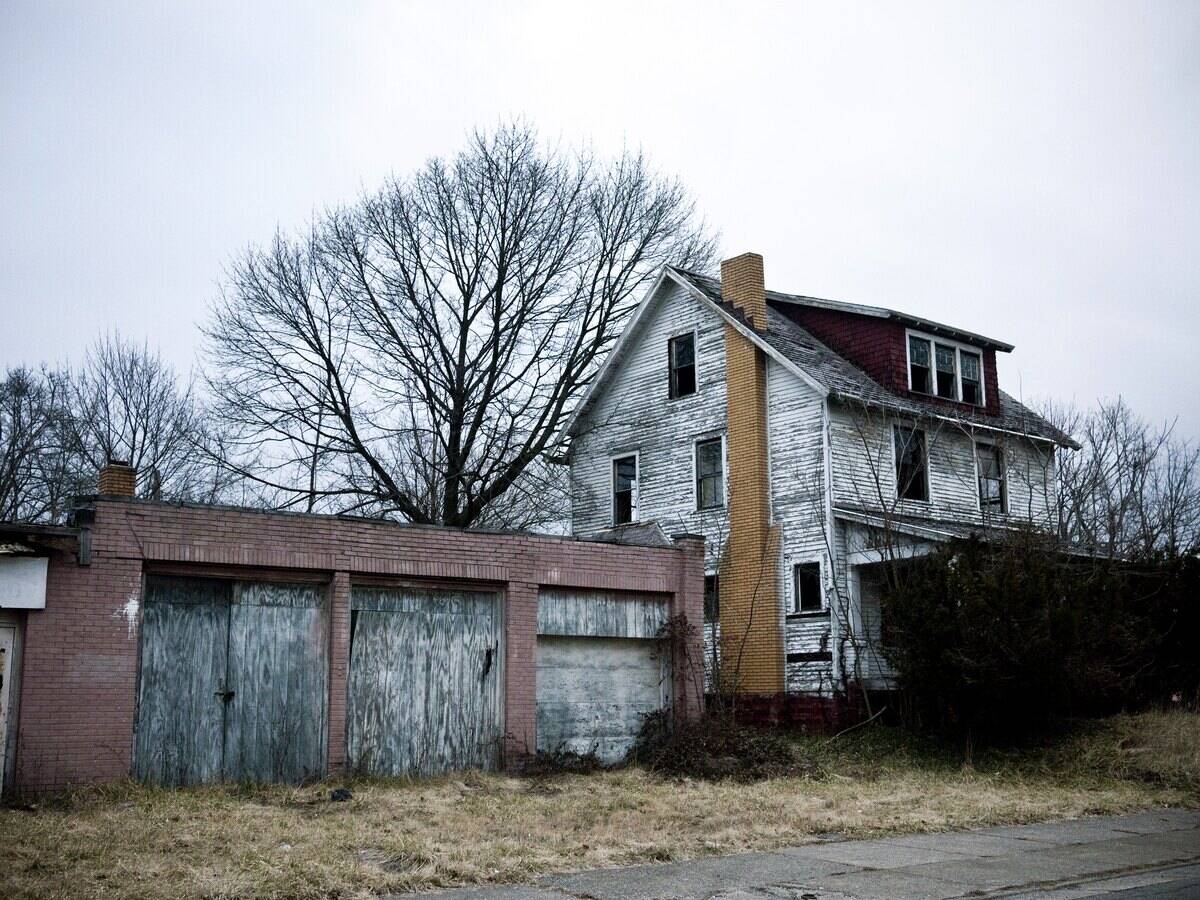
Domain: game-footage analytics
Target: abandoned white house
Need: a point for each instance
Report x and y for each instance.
(807, 440)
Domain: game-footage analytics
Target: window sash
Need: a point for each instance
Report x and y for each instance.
(919, 369)
(712, 598)
(972, 377)
(710, 474)
(806, 588)
(912, 475)
(624, 490)
(947, 371)
(990, 462)
(681, 352)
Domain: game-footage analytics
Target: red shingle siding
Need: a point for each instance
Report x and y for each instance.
(874, 345)
(877, 346)
(79, 675)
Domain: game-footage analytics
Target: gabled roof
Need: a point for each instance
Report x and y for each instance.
(844, 381)
(827, 372)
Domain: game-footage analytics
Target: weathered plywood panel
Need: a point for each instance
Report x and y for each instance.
(566, 612)
(593, 693)
(275, 723)
(425, 685)
(180, 728)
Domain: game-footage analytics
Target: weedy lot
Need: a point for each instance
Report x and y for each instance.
(129, 842)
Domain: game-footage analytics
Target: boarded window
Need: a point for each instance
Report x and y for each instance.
(682, 353)
(972, 378)
(947, 376)
(806, 588)
(912, 478)
(919, 365)
(990, 460)
(712, 598)
(710, 477)
(625, 490)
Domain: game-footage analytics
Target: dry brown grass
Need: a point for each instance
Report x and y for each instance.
(128, 841)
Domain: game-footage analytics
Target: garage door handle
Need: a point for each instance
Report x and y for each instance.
(226, 696)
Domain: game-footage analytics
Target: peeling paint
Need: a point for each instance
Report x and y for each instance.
(129, 612)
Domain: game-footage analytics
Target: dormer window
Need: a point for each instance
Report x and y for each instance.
(681, 353)
(945, 369)
(972, 377)
(918, 366)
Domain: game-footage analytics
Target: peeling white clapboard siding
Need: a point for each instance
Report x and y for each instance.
(795, 416)
(864, 471)
(634, 414)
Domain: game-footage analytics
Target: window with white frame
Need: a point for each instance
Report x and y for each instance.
(912, 470)
(624, 489)
(806, 588)
(946, 369)
(989, 459)
(710, 474)
(681, 356)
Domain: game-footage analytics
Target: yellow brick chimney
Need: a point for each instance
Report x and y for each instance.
(752, 658)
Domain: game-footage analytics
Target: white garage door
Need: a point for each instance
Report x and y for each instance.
(593, 693)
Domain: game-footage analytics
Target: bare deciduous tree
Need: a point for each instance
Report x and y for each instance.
(1132, 489)
(36, 470)
(125, 403)
(418, 352)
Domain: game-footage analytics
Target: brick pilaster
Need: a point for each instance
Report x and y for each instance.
(339, 667)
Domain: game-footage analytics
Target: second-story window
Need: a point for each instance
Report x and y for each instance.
(624, 480)
(710, 475)
(912, 474)
(681, 352)
(920, 372)
(990, 461)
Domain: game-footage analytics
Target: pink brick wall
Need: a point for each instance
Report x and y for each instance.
(79, 672)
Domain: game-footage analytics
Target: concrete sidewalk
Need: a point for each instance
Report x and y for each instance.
(1148, 854)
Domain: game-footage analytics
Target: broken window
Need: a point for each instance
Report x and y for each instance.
(712, 598)
(806, 587)
(710, 476)
(947, 375)
(625, 473)
(682, 353)
(990, 461)
(972, 378)
(918, 365)
(912, 477)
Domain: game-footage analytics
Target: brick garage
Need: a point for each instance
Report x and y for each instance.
(79, 656)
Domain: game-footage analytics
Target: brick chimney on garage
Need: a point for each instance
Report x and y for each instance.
(751, 633)
(118, 479)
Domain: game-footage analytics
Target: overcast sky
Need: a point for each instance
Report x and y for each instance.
(1025, 172)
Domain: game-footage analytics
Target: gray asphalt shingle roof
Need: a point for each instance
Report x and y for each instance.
(850, 384)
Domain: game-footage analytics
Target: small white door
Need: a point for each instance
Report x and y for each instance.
(8, 639)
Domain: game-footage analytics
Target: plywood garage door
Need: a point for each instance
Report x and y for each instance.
(600, 670)
(426, 682)
(234, 682)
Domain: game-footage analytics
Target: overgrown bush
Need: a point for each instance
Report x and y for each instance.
(997, 641)
(714, 747)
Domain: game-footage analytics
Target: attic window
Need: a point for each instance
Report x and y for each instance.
(972, 380)
(945, 369)
(918, 366)
(681, 351)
